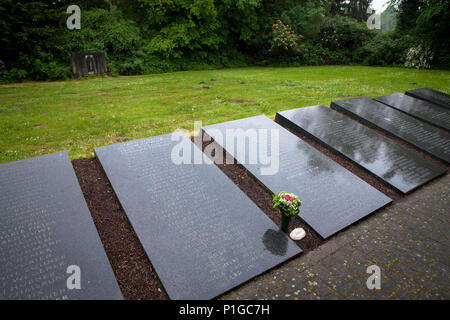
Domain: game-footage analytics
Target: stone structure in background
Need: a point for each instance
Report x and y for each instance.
(88, 63)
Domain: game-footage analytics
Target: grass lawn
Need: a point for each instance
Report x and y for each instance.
(43, 117)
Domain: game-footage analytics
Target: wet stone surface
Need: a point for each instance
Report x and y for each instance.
(408, 241)
(423, 136)
(202, 234)
(431, 95)
(321, 183)
(420, 109)
(45, 228)
(399, 167)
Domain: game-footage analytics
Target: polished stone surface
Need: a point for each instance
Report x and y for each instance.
(420, 109)
(202, 234)
(397, 166)
(333, 198)
(418, 133)
(431, 95)
(45, 227)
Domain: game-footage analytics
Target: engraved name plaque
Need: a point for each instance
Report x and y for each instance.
(49, 246)
(431, 95)
(423, 136)
(333, 198)
(392, 163)
(420, 109)
(200, 231)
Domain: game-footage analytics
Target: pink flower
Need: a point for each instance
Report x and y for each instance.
(288, 197)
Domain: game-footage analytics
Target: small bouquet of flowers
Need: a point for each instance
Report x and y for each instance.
(289, 205)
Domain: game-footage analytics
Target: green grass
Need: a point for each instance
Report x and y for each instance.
(78, 115)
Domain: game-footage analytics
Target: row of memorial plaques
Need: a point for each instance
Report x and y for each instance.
(202, 234)
(394, 164)
(333, 198)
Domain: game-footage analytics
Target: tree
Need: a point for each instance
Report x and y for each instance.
(356, 9)
(178, 27)
(432, 26)
(408, 12)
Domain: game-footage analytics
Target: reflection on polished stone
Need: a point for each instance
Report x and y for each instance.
(431, 95)
(46, 231)
(420, 109)
(202, 234)
(276, 241)
(397, 166)
(333, 198)
(423, 136)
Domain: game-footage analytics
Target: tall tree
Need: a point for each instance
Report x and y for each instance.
(408, 12)
(356, 9)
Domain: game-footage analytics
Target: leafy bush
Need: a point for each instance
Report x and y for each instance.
(13, 75)
(310, 54)
(432, 27)
(384, 49)
(285, 41)
(343, 33)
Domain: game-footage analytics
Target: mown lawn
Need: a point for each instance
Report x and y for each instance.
(78, 115)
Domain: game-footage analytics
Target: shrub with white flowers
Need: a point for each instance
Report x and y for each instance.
(288, 203)
(419, 57)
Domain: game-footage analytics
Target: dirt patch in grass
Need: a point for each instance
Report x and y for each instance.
(237, 101)
(42, 125)
(73, 102)
(121, 139)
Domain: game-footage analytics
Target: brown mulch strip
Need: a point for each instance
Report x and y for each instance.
(135, 274)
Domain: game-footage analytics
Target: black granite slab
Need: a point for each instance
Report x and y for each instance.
(420, 109)
(395, 165)
(202, 234)
(333, 198)
(431, 95)
(45, 227)
(427, 138)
